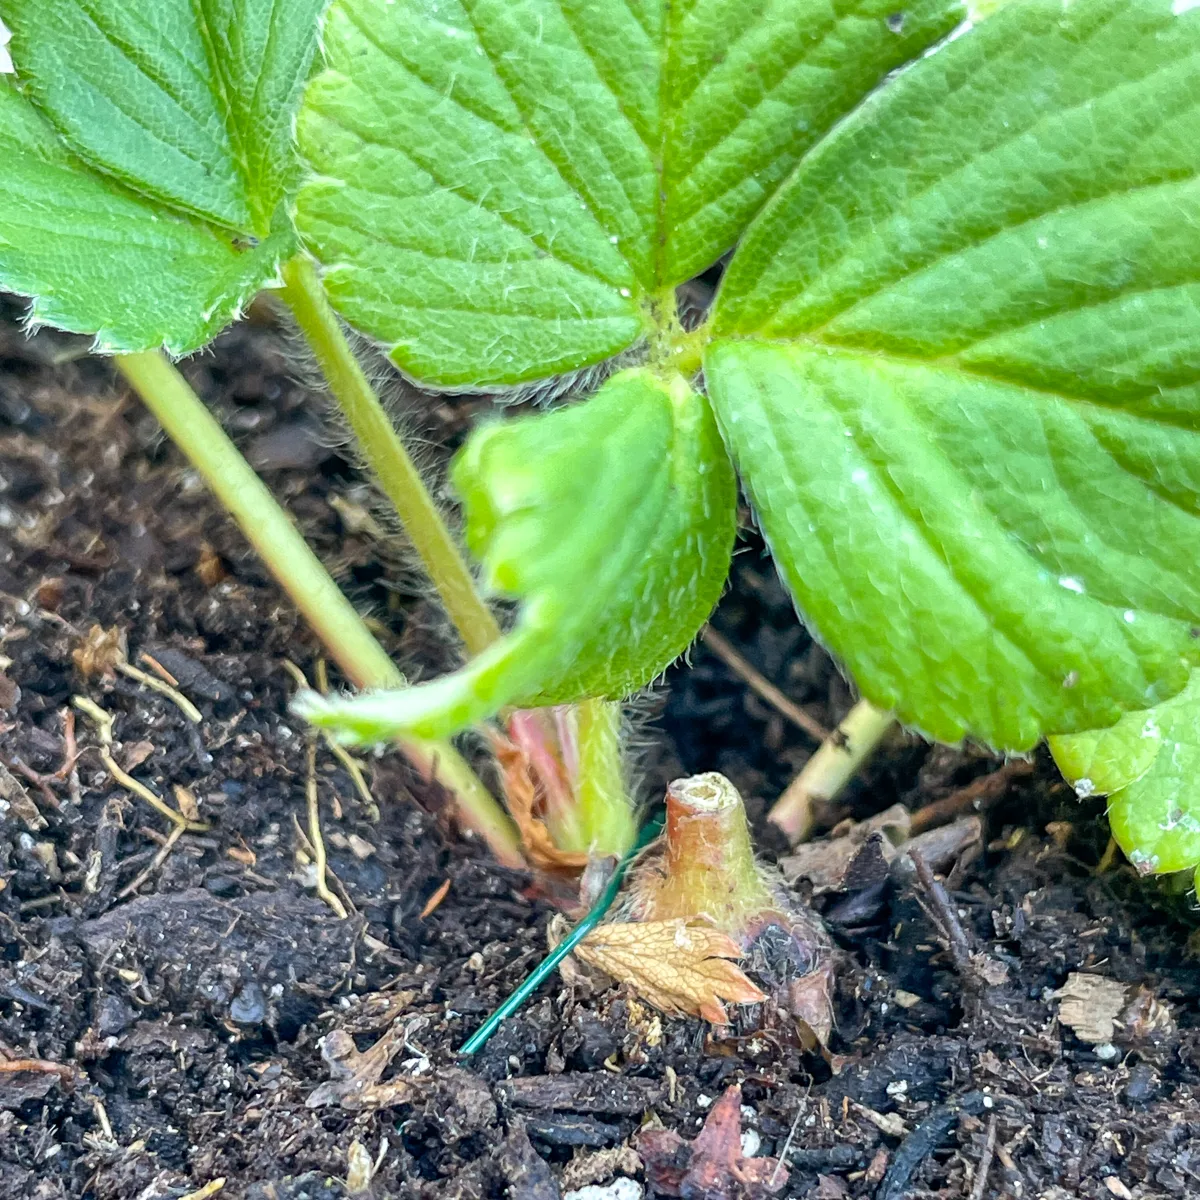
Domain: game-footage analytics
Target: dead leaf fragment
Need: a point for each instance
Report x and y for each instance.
(680, 967)
(136, 753)
(522, 795)
(354, 1077)
(1100, 1010)
(100, 651)
(1090, 1006)
(18, 801)
(810, 1001)
(713, 1166)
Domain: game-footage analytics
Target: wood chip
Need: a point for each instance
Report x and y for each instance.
(1090, 1006)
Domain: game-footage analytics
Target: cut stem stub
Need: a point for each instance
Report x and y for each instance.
(709, 866)
(830, 769)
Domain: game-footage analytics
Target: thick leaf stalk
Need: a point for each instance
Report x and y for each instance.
(298, 570)
(381, 446)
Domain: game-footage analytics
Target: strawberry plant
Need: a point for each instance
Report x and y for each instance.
(952, 358)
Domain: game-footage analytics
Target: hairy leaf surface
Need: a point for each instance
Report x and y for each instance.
(188, 101)
(502, 186)
(958, 364)
(1147, 764)
(95, 258)
(612, 521)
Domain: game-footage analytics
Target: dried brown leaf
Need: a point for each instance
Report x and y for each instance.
(679, 967)
(810, 1001)
(185, 800)
(136, 753)
(713, 1166)
(521, 794)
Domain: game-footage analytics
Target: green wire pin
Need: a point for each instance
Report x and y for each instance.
(535, 978)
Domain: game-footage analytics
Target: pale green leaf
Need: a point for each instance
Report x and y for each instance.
(958, 364)
(502, 186)
(97, 259)
(1147, 764)
(612, 521)
(187, 101)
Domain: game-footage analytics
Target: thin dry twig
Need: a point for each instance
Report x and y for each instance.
(801, 1108)
(435, 900)
(104, 724)
(163, 688)
(155, 863)
(985, 1161)
(102, 1119)
(943, 914)
(158, 668)
(761, 685)
(320, 859)
(43, 1066)
(977, 794)
(209, 1189)
(350, 764)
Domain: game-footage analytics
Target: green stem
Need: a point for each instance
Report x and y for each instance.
(385, 454)
(830, 769)
(267, 527)
(299, 572)
(604, 812)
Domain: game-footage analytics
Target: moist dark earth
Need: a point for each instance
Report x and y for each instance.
(166, 1007)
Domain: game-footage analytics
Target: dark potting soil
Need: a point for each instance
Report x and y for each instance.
(165, 1005)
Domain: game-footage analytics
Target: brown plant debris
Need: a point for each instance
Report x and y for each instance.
(712, 1167)
(99, 652)
(354, 1082)
(1090, 1006)
(521, 793)
(680, 967)
(1100, 1011)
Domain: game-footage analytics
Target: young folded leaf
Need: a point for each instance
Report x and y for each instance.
(1147, 765)
(957, 360)
(503, 186)
(157, 209)
(612, 521)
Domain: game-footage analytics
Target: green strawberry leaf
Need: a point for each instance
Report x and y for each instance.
(503, 189)
(97, 259)
(187, 101)
(958, 365)
(156, 211)
(612, 521)
(1147, 764)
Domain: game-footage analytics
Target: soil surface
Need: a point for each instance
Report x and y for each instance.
(180, 1011)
